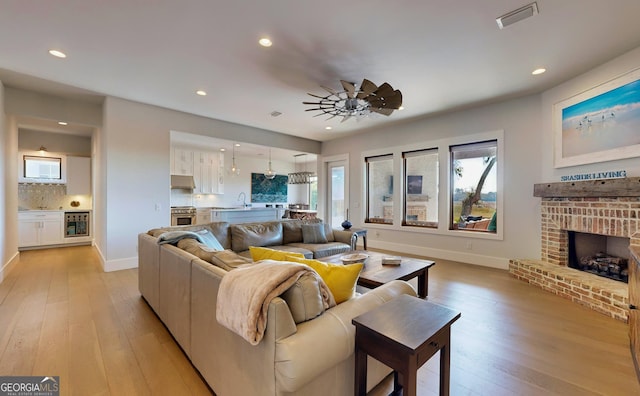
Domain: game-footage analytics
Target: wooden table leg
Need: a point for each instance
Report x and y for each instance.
(444, 367)
(360, 383)
(423, 284)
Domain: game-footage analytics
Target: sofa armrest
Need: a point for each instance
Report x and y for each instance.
(329, 339)
(344, 236)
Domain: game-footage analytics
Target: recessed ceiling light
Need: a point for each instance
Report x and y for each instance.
(328, 128)
(223, 149)
(57, 54)
(275, 113)
(265, 42)
(401, 108)
(539, 71)
(62, 123)
(201, 92)
(237, 144)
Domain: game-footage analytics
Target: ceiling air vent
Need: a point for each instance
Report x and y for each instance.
(517, 15)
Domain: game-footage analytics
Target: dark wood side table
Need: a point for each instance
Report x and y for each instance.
(358, 232)
(403, 334)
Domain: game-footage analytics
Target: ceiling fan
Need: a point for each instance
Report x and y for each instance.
(360, 101)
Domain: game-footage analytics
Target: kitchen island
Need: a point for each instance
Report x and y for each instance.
(244, 215)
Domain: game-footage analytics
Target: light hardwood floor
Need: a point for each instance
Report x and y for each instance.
(61, 315)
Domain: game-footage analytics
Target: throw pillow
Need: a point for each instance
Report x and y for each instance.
(313, 233)
(209, 239)
(341, 279)
(304, 298)
(262, 253)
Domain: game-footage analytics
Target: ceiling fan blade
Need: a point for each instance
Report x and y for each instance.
(331, 91)
(316, 96)
(386, 112)
(350, 88)
(384, 90)
(368, 87)
(394, 101)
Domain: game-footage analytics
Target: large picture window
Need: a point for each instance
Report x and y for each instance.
(474, 186)
(379, 177)
(420, 188)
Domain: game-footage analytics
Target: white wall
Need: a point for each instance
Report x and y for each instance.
(135, 144)
(8, 190)
(520, 121)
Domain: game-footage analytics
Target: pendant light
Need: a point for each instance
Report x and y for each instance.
(235, 171)
(303, 177)
(269, 173)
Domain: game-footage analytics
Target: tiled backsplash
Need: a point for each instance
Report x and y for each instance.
(49, 196)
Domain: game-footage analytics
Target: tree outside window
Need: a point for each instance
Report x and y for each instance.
(474, 186)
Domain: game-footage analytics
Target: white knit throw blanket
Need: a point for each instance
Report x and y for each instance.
(245, 294)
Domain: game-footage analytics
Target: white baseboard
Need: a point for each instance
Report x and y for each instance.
(116, 265)
(464, 257)
(9, 266)
(120, 264)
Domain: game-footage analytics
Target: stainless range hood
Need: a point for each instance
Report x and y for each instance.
(181, 182)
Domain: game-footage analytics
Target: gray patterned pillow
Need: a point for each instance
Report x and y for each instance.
(313, 233)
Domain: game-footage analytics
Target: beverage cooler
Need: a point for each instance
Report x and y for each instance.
(76, 224)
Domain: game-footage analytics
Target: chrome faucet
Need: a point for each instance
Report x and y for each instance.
(244, 198)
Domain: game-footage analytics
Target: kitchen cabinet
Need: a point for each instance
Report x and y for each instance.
(182, 160)
(203, 215)
(78, 176)
(40, 228)
(207, 173)
(244, 215)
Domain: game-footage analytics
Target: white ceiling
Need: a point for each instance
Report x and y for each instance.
(441, 54)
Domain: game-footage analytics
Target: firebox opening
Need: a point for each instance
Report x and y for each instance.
(603, 255)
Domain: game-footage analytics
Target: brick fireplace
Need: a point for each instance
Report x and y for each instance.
(604, 207)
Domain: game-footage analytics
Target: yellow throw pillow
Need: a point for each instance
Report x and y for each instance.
(262, 253)
(341, 279)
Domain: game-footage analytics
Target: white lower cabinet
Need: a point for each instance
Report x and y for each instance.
(40, 228)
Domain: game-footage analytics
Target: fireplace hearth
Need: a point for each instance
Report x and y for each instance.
(604, 207)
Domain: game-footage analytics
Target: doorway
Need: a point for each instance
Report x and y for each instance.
(337, 191)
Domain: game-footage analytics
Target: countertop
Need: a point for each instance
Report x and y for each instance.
(54, 210)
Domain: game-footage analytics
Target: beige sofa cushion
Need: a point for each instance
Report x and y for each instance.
(255, 234)
(220, 231)
(304, 298)
(225, 259)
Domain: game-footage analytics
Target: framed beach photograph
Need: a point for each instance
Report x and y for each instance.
(600, 124)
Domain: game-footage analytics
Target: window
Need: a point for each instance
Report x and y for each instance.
(474, 186)
(42, 168)
(379, 177)
(421, 188)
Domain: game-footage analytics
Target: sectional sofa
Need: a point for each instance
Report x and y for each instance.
(310, 356)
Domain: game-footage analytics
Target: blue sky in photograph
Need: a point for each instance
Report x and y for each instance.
(624, 95)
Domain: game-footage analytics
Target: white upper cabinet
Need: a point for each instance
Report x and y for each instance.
(78, 176)
(206, 167)
(182, 161)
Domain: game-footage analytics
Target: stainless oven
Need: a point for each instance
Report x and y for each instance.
(183, 215)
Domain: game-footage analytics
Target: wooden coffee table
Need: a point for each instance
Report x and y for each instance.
(375, 274)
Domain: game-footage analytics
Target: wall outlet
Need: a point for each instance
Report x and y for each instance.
(377, 233)
(468, 246)
(158, 207)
